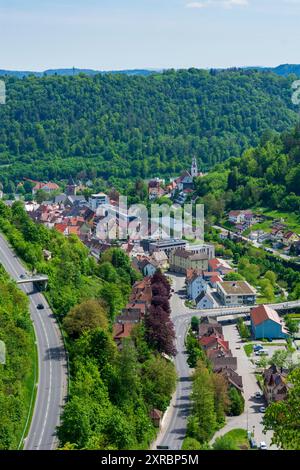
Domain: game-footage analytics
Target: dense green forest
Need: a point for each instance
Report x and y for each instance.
(111, 391)
(17, 374)
(265, 176)
(134, 126)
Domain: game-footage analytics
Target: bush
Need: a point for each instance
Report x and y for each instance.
(237, 402)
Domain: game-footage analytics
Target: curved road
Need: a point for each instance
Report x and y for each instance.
(180, 410)
(52, 369)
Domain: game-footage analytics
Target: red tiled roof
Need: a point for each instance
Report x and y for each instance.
(155, 414)
(122, 330)
(262, 313)
(215, 278)
(60, 227)
(74, 230)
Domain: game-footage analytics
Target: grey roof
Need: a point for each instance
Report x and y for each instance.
(221, 362)
(60, 198)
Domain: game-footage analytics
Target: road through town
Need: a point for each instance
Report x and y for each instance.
(173, 434)
(52, 361)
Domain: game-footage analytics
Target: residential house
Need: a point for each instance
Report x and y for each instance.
(275, 385)
(195, 283)
(232, 378)
(236, 293)
(185, 181)
(225, 362)
(215, 344)
(205, 300)
(266, 323)
(161, 259)
(154, 189)
(209, 326)
(46, 187)
(156, 416)
(147, 267)
(289, 238)
(241, 217)
(121, 331)
(219, 266)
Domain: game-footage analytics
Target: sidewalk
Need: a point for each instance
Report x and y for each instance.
(165, 422)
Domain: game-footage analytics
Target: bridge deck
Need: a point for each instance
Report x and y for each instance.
(33, 279)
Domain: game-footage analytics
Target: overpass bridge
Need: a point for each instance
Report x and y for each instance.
(40, 280)
(246, 309)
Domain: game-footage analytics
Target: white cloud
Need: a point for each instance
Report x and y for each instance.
(222, 3)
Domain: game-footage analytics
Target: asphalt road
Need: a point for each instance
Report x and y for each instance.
(181, 316)
(52, 369)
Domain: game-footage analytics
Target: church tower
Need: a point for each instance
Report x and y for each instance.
(194, 168)
(71, 187)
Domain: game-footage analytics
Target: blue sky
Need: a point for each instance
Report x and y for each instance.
(121, 34)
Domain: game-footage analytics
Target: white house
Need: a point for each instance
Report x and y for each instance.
(195, 284)
(205, 300)
(96, 200)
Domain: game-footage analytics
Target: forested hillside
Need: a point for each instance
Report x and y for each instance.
(17, 374)
(129, 126)
(267, 176)
(112, 391)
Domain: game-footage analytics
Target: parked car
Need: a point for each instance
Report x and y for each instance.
(258, 395)
(262, 409)
(253, 443)
(263, 446)
(261, 352)
(257, 347)
(40, 307)
(22, 276)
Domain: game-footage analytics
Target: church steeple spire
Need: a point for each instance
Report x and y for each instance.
(194, 168)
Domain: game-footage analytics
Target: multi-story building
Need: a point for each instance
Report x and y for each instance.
(96, 200)
(182, 260)
(166, 245)
(206, 248)
(235, 293)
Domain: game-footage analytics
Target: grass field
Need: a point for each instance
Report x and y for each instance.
(31, 391)
(233, 440)
(292, 220)
(248, 349)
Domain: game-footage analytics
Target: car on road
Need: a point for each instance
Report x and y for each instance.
(263, 446)
(238, 347)
(40, 307)
(262, 409)
(22, 276)
(258, 395)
